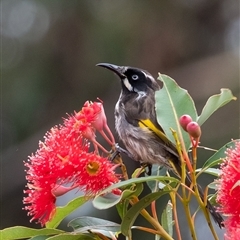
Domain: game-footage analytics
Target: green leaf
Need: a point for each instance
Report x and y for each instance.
(109, 200)
(124, 184)
(135, 210)
(212, 171)
(214, 163)
(220, 154)
(138, 190)
(137, 172)
(213, 199)
(156, 171)
(42, 237)
(70, 236)
(122, 207)
(214, 103)
(213, 185)
(84, 224)
(62, 212)
(167, 219)
(20, 232)
(172, 102)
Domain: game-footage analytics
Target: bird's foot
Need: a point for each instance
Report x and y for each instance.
(148, 168)
(117, 150)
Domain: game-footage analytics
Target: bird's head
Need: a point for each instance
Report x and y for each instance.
(134, 80)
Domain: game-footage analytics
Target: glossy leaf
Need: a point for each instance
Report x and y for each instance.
(135, 210)
(20, 232)
(214, 103)
(156, 171)
(129, 182)
(212, 171)
(167, 219)
(70, 236)
(214, 163)
(213, 199)
(122, 208)
(62, 212)
(41, 237)
(220, 154)
(137, 172)
(109, 200)
(172, 102)
(84, 224)
(138, 189)
(213, 185)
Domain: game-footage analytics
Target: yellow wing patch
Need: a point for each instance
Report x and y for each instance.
(147, 123)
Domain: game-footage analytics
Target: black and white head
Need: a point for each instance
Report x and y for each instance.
(134, 80)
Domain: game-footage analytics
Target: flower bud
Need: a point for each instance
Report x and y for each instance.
(184, 120)
(100, 120)
(194, 129)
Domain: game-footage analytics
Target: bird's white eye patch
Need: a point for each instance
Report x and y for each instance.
(135, 77)
(127, 84)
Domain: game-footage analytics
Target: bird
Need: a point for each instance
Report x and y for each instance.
(137, 126)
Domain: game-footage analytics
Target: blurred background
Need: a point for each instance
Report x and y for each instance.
(48, 54)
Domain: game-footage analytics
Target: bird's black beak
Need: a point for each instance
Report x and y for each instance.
(116, 69)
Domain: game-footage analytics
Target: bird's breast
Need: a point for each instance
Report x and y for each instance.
(141, 143)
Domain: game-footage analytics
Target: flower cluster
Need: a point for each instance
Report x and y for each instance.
(229, 191)
(91, 118)
(64, 158)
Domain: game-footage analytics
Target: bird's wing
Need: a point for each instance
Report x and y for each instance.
(167, 144)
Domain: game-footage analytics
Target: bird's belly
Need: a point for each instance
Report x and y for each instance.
(142, 144)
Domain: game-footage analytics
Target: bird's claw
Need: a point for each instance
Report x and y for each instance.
(117, 150)
(148, 168)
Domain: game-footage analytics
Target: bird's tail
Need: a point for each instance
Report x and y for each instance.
(188, 181)
(215, 215)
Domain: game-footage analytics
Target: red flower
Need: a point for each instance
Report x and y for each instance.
(41, 203)
(96, 173)
(229, 191)
(91, 110)
(63, 158)
(92, 117)
(232, 234)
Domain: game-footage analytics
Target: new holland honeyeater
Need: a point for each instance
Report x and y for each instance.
(138, 128)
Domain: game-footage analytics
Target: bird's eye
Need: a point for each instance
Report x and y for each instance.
(134, 77)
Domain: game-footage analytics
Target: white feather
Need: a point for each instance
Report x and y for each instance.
(141, 94)
(127, 84)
